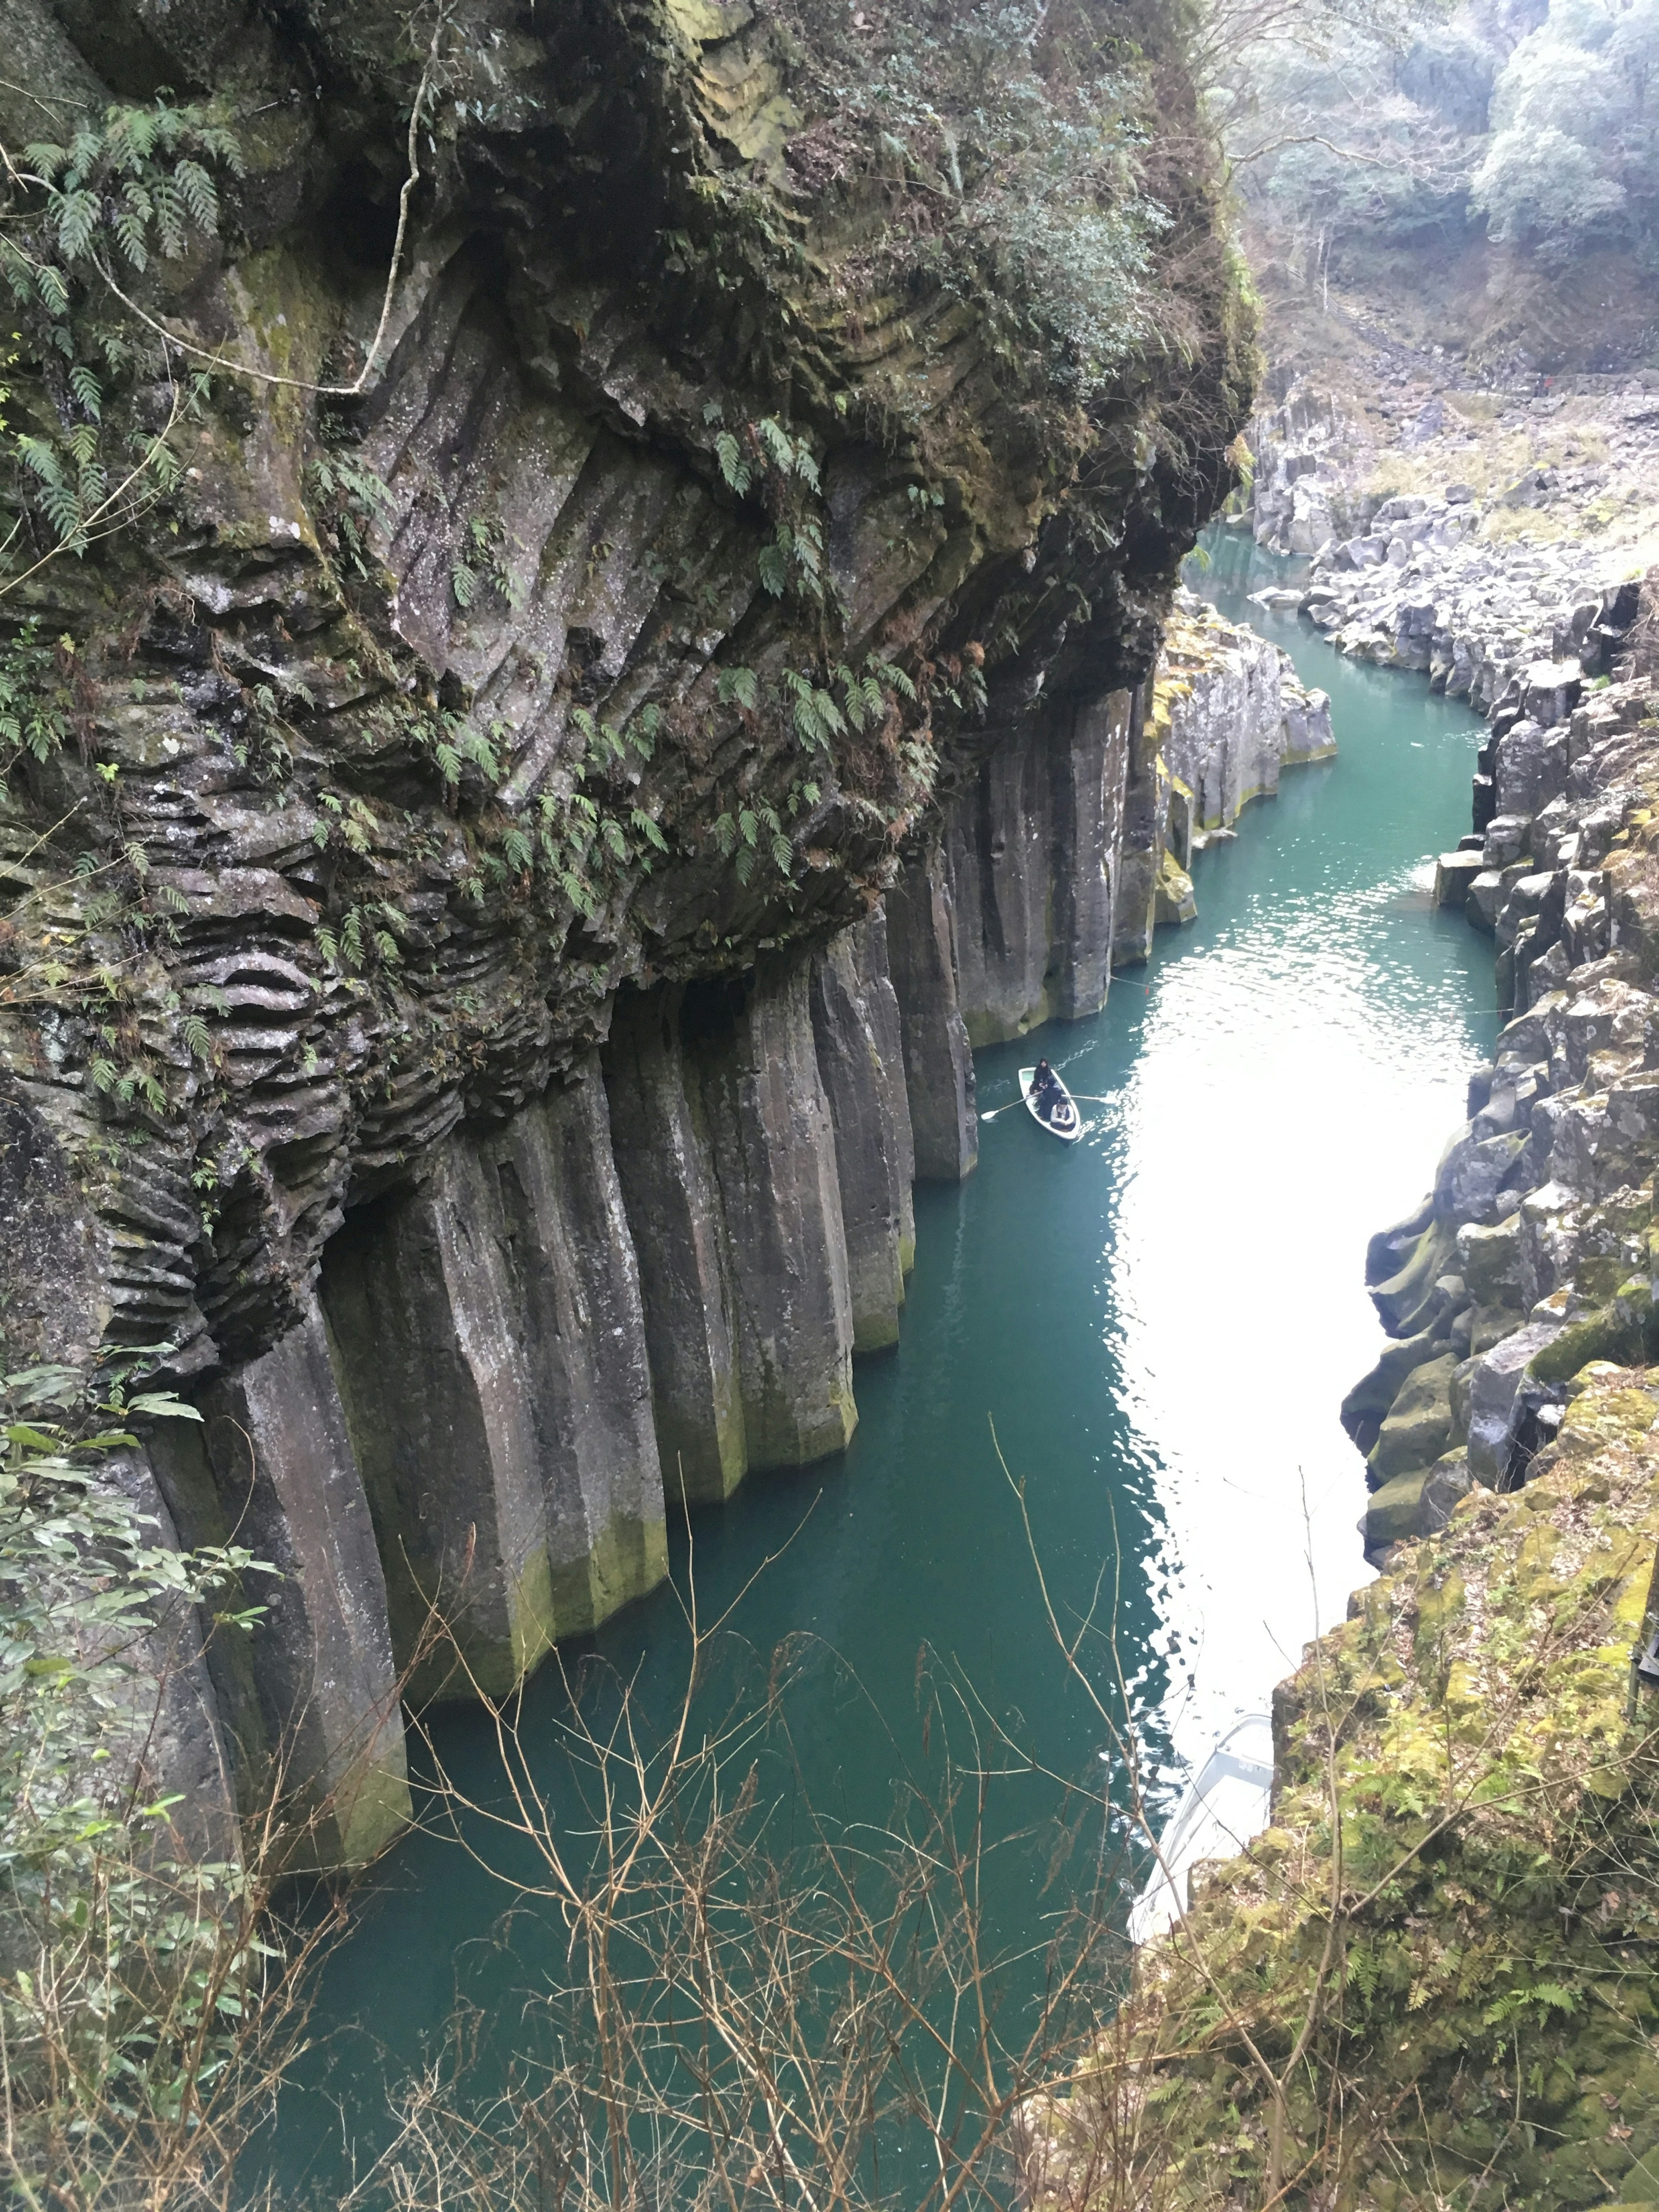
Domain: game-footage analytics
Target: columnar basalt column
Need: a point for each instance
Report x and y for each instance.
(576, 1301)
(1141, 848)
(774, 1153)
(887, 1033)
(673, 1204)
(169, 1740)
(997, 847)
(939, 1062)
(1088, 764)
(422, 1308)
(860, 1052)
(309, 1698)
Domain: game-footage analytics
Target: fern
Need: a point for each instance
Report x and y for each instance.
(739, 686)
(733, 466)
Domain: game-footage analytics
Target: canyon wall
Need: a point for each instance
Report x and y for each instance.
(542, 804)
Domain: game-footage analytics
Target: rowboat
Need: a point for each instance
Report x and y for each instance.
(1227, 1801)
(1062, 1120)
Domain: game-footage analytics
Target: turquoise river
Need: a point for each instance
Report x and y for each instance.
(1161, 1322)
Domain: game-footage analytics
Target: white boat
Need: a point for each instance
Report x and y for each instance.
(1062, 1119)
(1227, 1801)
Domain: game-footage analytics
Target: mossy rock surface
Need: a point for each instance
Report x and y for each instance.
(1419, 1424)
(1488, 2004)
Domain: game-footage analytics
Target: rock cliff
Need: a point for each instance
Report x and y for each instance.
(536, 807)
(1457, 2002)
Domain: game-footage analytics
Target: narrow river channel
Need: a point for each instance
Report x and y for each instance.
(1161, 1322)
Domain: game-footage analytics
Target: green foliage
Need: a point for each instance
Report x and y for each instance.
(482, 564)
(81, 220)
(32, 717)
(782, 470)
(117, 1995)
(1355, 131)
(1014, 133)
(349, 498)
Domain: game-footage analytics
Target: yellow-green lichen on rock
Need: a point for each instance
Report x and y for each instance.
(1485, 2026)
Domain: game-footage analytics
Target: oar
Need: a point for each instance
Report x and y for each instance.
(1088, 1098)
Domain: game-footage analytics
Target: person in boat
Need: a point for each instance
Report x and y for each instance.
(1046, 1093)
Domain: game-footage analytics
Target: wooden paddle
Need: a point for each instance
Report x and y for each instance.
(1088, 1098)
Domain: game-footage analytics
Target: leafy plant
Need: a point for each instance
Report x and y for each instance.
(32, 717)
(117, 1995)
(83, 219)
(482, 564)
(350, 498)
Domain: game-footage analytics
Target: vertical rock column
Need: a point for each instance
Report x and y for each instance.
(727, 1162)
(1088, 767)
(861, 1057)
(1141, 851)
(491, 1344)
(773, 1151)
(939, 1062)
(997, 836)
(576, 1288)
(667, 1180)
(420, 1307)
(310, 1698)
(166, 1736)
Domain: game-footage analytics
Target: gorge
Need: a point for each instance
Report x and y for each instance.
(596, 651)
(1084, 1311)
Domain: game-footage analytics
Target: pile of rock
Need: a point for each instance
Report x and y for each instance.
(1536, 1251)
(1421, 590)
(1420, 579)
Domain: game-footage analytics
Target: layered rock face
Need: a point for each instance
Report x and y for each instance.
(1227, 714)
(1032, 854)
(1531, 1257)
(557, 787)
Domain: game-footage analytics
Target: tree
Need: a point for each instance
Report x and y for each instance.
(1542, 189)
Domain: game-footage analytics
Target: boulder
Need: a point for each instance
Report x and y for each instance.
(1418, 1427)
(1453, 874)
(1449, 1482)
(1531, 766)
(1393, 1515)
(1492, 1387)
(1489, 1257)
(1483, 898)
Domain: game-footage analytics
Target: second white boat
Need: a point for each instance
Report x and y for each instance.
(1227, 1801)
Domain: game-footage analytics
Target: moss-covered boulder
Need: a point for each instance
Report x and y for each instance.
(1419, 1424)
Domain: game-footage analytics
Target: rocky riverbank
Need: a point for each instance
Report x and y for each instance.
(1459, 2008)
(1468, 545)
(1430, 1980)
(1536, 1228)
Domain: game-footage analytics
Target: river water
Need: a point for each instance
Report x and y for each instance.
(1161, 1322)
